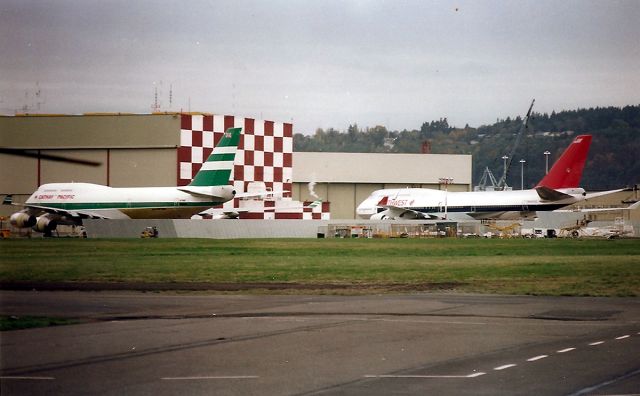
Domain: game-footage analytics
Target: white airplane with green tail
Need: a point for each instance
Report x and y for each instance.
(69, 203)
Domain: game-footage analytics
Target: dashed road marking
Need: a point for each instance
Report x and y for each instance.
(499, 368)
(415, 376)
(474, 375)
(211, 377)
(506, 366)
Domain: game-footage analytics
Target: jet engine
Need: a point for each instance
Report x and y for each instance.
(384, 215)
(45, 225)
(22, 220)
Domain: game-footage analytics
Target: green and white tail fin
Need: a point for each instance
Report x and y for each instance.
(216, 171)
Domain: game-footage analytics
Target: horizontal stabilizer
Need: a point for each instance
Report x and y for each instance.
(219, 193)
(549, 194)
(603, 193)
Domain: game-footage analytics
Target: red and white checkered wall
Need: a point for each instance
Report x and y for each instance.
(265, 151)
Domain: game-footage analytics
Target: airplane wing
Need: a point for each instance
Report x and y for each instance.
(235, 212)
(312, 205)
(259, 194)
(395, 212)
(84, 214)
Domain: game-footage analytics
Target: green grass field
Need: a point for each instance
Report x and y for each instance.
(518, 266)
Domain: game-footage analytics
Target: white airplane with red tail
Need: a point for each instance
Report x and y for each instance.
(559, 188)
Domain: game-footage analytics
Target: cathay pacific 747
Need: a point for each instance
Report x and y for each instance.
(55, 203)
(559, 188)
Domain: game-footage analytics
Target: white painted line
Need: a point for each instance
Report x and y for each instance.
(566, 350)
(596, 343)
(416, 376)
(623, 337)
(506, 366)
(474, 375)
(211, 377)
(533, 359)
(15, 377)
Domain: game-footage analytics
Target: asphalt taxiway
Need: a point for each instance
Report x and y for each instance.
(147, 343)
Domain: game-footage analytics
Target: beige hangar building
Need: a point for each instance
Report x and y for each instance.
(166, 149)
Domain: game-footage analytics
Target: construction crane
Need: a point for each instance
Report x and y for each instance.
(502, 183)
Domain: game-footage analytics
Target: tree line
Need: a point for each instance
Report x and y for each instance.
(612, 161)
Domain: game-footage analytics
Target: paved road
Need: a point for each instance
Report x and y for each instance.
(140, 343)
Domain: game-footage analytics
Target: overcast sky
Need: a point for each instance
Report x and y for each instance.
(321, 63)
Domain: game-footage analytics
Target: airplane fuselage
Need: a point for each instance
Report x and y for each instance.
(424, 203)
(94, 200)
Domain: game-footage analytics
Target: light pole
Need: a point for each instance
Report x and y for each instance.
(504, 172)
(546, 161)
(446, 181)
(522, 174)
(504, 162)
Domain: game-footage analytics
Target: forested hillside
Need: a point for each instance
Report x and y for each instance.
(613, 160)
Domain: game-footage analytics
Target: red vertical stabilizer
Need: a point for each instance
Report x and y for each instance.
(567, 170)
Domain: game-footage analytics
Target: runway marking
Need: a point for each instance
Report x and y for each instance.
(623, 337)
(566, 350)
(533, 359)
(27, 378)
(506, 366)
(596, 343)
(210, 377)
(474, 375)
(415, 376)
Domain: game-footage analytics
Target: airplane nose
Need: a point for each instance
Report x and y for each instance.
(365, 209)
